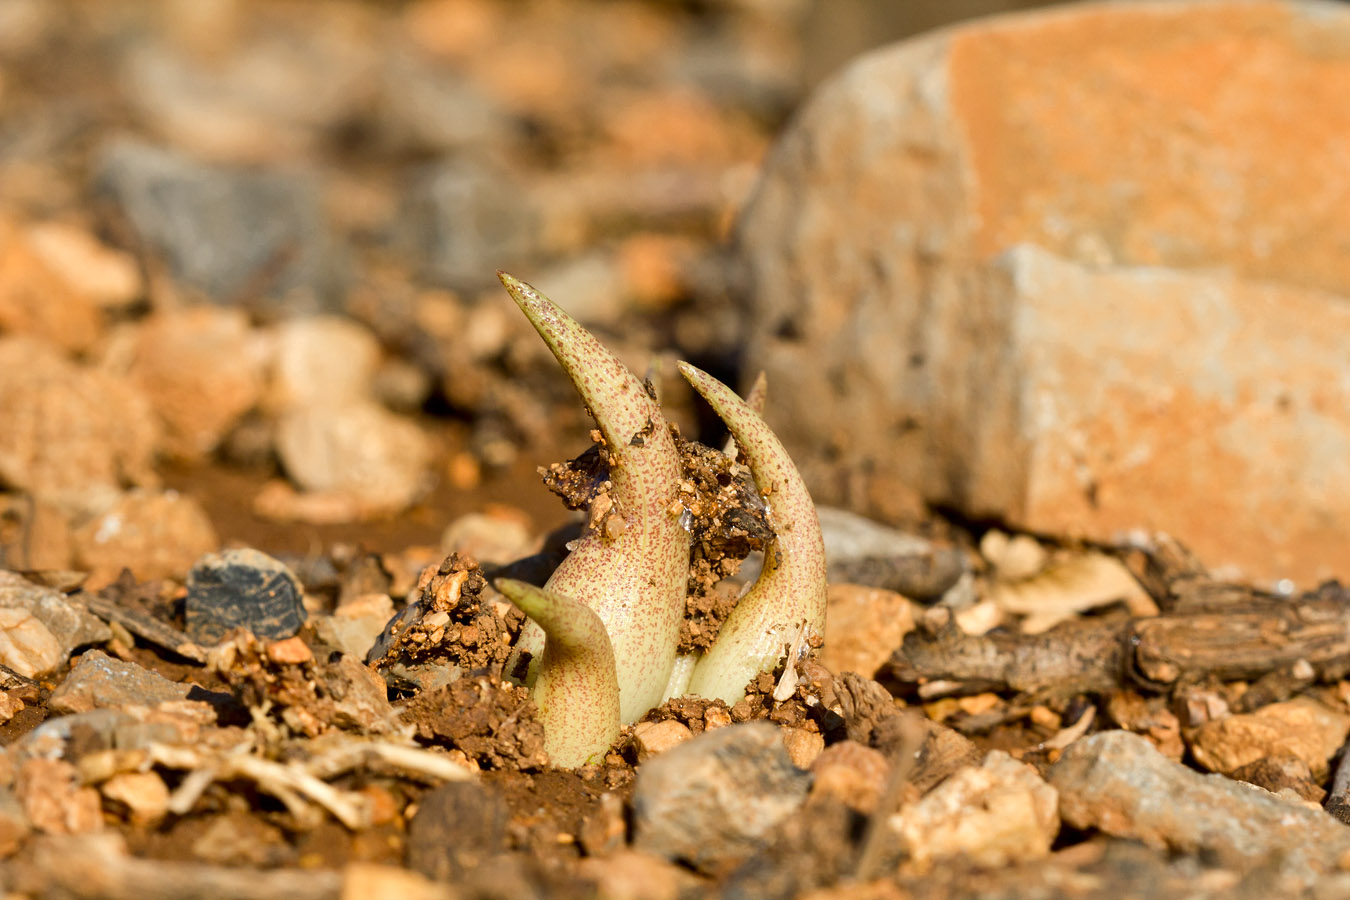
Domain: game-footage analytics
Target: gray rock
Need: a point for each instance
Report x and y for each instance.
(1119, 783)
(237, 236)
(360, 698)
(714, 800)
(861, 551)
(242, 588)
(100, 682)
(463, 220)
(437, 107)
(71, 625)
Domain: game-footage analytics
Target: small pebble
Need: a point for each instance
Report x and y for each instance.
(652, 738)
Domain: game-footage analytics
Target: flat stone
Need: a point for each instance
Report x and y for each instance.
(859, 550)
(234, 235)
(100, 682)
(40, 627)
(1118, 783)
(714, 800)
(465, 219)
(994, 814)
(495, 536)
(277, 94)
(1041, 311)
(242, 588)
(1303, 728)
(74, 735)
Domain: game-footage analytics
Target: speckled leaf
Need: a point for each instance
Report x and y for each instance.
(576, 689)
(790, 590)
(632, 572)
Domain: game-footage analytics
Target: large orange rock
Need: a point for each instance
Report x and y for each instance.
(1083, 270)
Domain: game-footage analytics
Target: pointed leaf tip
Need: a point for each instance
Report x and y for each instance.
(577, 688)
(790, 590)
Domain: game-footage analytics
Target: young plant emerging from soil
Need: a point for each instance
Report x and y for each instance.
(606, 624)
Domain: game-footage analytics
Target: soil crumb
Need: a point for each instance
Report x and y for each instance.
(724, 513)
(491, 722)
(457, 621)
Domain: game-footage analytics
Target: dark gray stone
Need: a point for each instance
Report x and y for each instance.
(238, 236)
(463, 220)
(861, 551)
(242, 588)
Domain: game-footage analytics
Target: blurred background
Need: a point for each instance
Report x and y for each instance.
(247, 248)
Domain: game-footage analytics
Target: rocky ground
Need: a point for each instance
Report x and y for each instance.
(269, 427)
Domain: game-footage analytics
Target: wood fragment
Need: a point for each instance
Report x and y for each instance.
(1220, 631)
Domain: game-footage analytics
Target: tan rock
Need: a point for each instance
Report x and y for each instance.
(372, 881)
(499, 534)
(51, 796)
(1302, 728)
(322, 360)
(634, 875)
(360, 451)
(653, 738)
(1086, 291)
(202, 369)
(995, 814)
(72, 436)
(866, 626)
(144, 794)
(155, 534)
(14, 824)
(852, 773)
(803, 746)
(38, 302)
(26, 645)
(42, 536)
(108, 277)
(10, 706)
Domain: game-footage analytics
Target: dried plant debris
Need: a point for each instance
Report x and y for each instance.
(727, 520)
(457, 624)
(284, 684)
